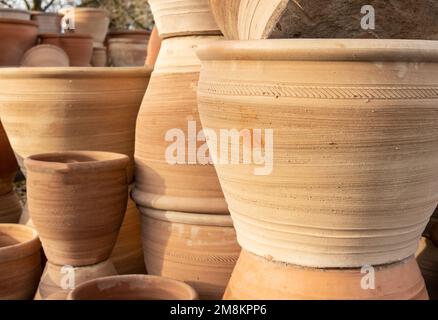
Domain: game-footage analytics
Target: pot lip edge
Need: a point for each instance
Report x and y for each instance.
(30, 245)
(19, 21)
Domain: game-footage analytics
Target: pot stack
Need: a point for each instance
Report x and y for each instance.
(186, 227)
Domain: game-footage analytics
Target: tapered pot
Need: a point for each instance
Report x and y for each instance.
(10, 208)
(133, 287)
(427, 257)
(45, 55)
(200, 250)
(8, 163)
(20, 262)
(99, 58)
(79, 47)
(170, 178)
(48, 22)
(77, 202)
(279, 281)
(92, 21)
(7, 13)
(17, 36)
(345, 158)
(71, 109)
(127, 52)
(154, 46)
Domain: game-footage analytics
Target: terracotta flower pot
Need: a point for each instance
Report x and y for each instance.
(78, 109)
(8, 163)
(92, 21)
(10, 208)
(77, 202)
(200, 250)
(279, 281)
(20, 262)
(170, 102)
(79, 47)
(48, 22)
(352, 180)
(139, 35)
(58, 281)
(7, 13)
(99, 58)
(427, 257)
(45, 55)
(127, 52)
(133, 287)
(154, 46)
(183, 18)
(17, 36)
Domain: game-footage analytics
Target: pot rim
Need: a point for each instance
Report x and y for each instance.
(188, 218)
(44, 13)
(104, 161)
(129, 32)
(15, 10)
(65, 36)
(18, 21)
(64, 11)
(125, 40)
(23, 248)
(150, 280)
(322, 50)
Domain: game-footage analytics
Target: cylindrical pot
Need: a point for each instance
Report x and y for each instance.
(7, 13)
(346, 154)
(99, 58)
(154, 46)
(256, 278)
(139, 35)
(20, 262)
(133, 287)
(200, 250)
(77, 201)
(427, 258)
(8, 163)
(183, 18)
(10, 208)
(127, 52)
(58, 281)
(48, 22)
(79, 47)
(49, 110)
(169, 111)
(92, 21)
(45, 55)
(17, 36)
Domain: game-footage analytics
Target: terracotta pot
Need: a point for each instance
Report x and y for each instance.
(99, 58)
(92, 21)
(10, 208)
(154, 46)
(133, 287)
(359, 181)
(48, 22)
(81, 109)
(8, 163)
(427, 257)
(20, 262)
(170, 102)
(79, 47)
(139, 35)
(45, 55)
(200, 250)
(58, 281)
(183, 18)
(17, 36)
(6, 13)
(64, 217)
(279, 281)
(127, 52)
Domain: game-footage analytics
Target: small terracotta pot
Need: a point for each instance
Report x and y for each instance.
(20, 262)
(17, 36)
(48, 22)
(6, 13)
(10, 208)
(133, 287)
(256, 278)
(427, 257)
(79, 47)
(127, 52)
(154, 46)
(91, 21)
(200, 250)
(45, 55)
(138, 35)
(58, 281)
(77, 201)
(8, 163)
(99, 58)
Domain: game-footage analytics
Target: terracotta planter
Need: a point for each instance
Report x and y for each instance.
(20, 262)
(133, 287)
(6, 13)
(427, 257)
(154, 46)
(138, 35)
(351, 183)
(8, 163)
(127, 52)
(99, 58)
(78, 109)
(79, 47)
(45, 55)
(279, 281)
(17, 36)
(90, 21)
(170, 102)
(200, 250)
(183, 18)
(64, 217)
(48, 22)
(10, 208)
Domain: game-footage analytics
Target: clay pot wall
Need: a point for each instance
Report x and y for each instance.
(79, 47)
(154, 46)
(127, 52)
(7, 13)
(48, 22)
(99, 57)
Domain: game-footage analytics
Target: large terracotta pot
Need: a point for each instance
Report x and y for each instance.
(45, 55)
(77, 201)
(127, 52)
(8, 163)
(20, 262)
(154, 46)
(92, 21)
(427, 257)
(353, 179)
(10, 208)
(79, 47)
(48, 22)
(200, 250)
(139, 35)
(169, 104)
(71, 109)
(17, 36)
(7, 13)
(183, 18)
(133, 287)
(279, 281)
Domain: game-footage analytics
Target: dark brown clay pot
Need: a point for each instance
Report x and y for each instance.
(79, 47)
(8, 163)
(10, 208)
(20, 262)
(17, 36)
(133, 287)
(77, 201)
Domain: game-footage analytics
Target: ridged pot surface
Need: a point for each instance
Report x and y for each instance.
(79, 47)
(200, 250)
(48, 22)
(92, 21)
(99, 58)
(77, 201)
(350, 126)
(169, 106)
(10, 208)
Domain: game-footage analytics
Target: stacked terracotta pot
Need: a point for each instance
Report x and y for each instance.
(187, 231)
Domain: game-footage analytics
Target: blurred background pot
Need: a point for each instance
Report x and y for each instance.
(45, 55)
(79, 47)
(127, 52)
(48, 22)
(8, 13)
(99, 58)
(91, 21)
(10, 208)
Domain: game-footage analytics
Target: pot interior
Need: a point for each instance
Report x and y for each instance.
(14, 235)
(76, 157)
